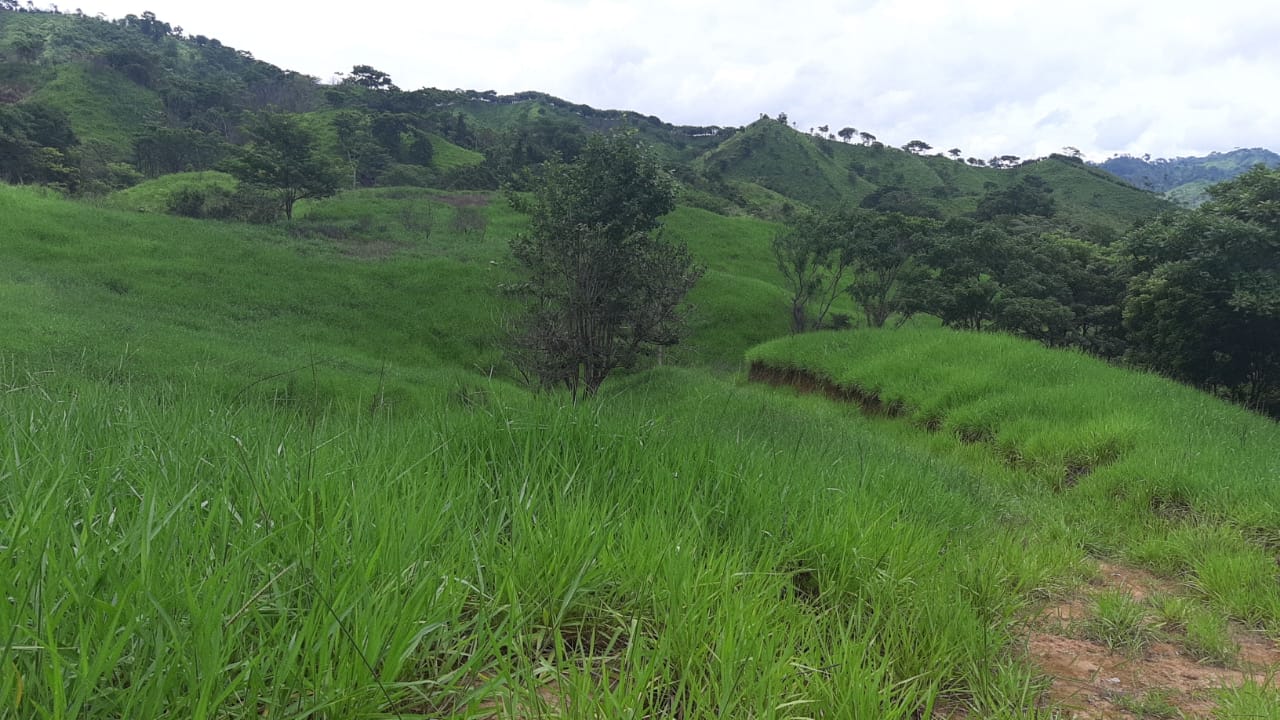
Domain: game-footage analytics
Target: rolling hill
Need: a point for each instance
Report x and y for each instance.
(1184, 180)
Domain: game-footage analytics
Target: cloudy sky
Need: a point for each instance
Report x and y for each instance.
(1021, 77)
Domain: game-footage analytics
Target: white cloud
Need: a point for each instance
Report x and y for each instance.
(1022, 77)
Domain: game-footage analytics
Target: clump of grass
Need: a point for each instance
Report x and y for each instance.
(1119, 622)
(1251, 700)
(1209, 639)
(1157, 704)
(1172, 612)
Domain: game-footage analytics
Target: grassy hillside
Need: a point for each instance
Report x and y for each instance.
(247, 438)
(1148, 470)
(823, 173)
(293, 453)
(154, 196)
(371, 277)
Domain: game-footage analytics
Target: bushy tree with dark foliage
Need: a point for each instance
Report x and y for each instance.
(1204, 303)
(283, 162)
(602, 287)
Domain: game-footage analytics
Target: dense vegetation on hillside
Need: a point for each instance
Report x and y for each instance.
(1185, 179)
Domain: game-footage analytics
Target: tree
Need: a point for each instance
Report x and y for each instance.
(917, 147)
(955, 153)
(1031, 195)
(370, 77)
(813, 256)
(282, 161)
(1204, 303)
(887, 265)
(603, 288)
(366, 158)
(846, 134)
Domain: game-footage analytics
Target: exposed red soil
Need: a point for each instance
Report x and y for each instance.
(806, 382)
(1089, 680)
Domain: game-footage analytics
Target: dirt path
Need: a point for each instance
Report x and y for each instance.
(1160, 679)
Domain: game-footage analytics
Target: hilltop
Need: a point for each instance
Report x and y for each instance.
(1184, 179)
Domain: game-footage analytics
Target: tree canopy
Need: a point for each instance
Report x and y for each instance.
(602, 287)
(1204, 302)
(283, 161)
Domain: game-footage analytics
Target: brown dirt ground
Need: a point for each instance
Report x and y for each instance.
(1091, 681)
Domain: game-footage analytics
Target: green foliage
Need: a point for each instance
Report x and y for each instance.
(814, 255)
(162, 150)
(888, 268)
(602, 288)
(282, 161)
(1031, 195)
(1204, 304)
(37, 145)
(1023, 276)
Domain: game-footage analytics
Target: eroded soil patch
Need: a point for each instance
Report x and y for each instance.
(806, 382)
(1091, 680)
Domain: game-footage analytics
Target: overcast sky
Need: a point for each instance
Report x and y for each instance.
(1020, 77)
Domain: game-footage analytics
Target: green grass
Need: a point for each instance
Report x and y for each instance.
(1119, 622)
(105, 108)
(447, 156)
(284, 470)
(154, 195)
(683, 548)
(1144, 469)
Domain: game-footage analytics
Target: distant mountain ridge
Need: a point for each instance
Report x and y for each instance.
(1184, 180)
(95, 107)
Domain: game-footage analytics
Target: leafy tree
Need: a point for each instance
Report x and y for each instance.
(369, 77)
(1031, 195)
(36, 144)
(1204, 304)
(867, 138)
(887, 251)
(846, 134)
(160, 150)
(603, 289)
(898, 199)
(814, 255)
(283, 162)
(917, 147)
(365, 156)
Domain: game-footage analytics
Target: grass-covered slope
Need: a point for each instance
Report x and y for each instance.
(292, 454)
(251, 471)
(824, 173)
(1149, 470)
(368, 277)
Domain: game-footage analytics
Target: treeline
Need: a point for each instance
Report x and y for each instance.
(1192, 294)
